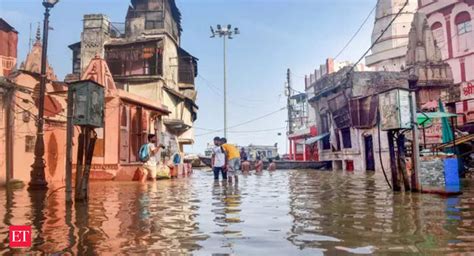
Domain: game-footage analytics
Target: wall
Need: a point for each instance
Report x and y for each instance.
(389, 52)
(3, 120)
(444, 13)
(95, 34)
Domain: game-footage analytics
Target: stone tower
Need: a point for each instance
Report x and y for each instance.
(94, 36)
(423, 59)
(389, 52)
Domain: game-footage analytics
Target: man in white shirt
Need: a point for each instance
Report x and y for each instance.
(150, 166)
(218, 160)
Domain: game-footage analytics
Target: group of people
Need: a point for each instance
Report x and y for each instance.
(227, 160)
(154, 168)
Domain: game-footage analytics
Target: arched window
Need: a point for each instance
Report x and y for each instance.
(463, 23)
(464, 28)
(438, 34)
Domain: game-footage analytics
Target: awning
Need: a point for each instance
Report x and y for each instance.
(315, 139)
(425, 117)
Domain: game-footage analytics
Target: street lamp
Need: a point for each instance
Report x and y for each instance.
(37, 175)
(225, 32)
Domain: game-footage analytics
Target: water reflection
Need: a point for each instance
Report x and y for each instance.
(280, 213)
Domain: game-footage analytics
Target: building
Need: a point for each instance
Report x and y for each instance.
(451, 23)
(128, 119)
(388, 54)
(145, 58)
(8, 48)
(346, 105)
(303, 116)
(263, 151)
(18, 119)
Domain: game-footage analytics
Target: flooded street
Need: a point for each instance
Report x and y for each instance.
(280, 213)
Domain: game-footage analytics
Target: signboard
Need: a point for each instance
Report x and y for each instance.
(465, 111)
(404, 105)
(395, 111)
(467, 90)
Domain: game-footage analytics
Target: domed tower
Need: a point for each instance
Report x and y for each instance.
(389, 52)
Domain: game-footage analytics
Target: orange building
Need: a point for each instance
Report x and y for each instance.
(18, 119)
(129, 118)
(8, 47)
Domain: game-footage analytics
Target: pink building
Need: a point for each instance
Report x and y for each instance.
(451, 23)
(19, 92)
(8, 47)
(129, 118)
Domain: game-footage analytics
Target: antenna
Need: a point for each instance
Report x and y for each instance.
(29, 41)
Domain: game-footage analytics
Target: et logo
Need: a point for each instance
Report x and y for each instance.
(20, 236)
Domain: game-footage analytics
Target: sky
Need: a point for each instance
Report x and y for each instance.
(275, 35)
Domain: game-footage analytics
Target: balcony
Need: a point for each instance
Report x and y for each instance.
(7, 64)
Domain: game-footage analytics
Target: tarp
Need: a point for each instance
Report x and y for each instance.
(315, 139)
(425, 117)
(447, 132)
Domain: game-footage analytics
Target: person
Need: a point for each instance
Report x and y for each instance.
(149, 167)
(243, 155)
(272, 165)
(258, 164)
(233, 160)
(218, 160)
(245, 166)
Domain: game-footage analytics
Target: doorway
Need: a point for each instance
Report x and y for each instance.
(369, 153)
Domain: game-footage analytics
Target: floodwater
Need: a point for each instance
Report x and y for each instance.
(280, 213)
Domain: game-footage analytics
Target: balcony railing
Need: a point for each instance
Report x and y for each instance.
(6, 65)
(117, 29)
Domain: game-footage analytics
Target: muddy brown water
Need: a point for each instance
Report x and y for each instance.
(280, 213)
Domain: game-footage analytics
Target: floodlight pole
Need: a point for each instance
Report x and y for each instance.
(225, 32)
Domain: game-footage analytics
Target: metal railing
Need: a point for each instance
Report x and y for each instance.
(117, 29)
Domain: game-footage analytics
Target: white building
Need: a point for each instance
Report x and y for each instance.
(388, 54)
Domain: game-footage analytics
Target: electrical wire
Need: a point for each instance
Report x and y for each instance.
(263, 130)
(379, 37)
(380, 150)
(243, 123)
(356, 33)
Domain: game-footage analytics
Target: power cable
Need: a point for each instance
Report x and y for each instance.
(243, 123)
(379, 37)
(356, 33)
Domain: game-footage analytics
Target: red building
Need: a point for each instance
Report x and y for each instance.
(8, 47)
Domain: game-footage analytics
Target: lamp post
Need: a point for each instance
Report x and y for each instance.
(37, 175)
(224, 32)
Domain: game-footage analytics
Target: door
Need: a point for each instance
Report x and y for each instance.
(369, 153)
(124, 135)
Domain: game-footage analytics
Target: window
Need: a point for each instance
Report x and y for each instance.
(346, 138)
(438, 33)
(134, 59)
(154, 20)
(325, 129)
(463, 23)
(30, 143)
(464, 27)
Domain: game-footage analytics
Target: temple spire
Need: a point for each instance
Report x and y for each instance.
(38, 33)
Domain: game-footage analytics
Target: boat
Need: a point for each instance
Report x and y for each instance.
(280, 164)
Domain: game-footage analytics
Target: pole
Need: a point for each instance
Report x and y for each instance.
(288, 101)
(37, 174)
(69, 135)
(401, 161)
(393, 164)
(415, 180)
(288, 105)
(225, 89)
(80, 160)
